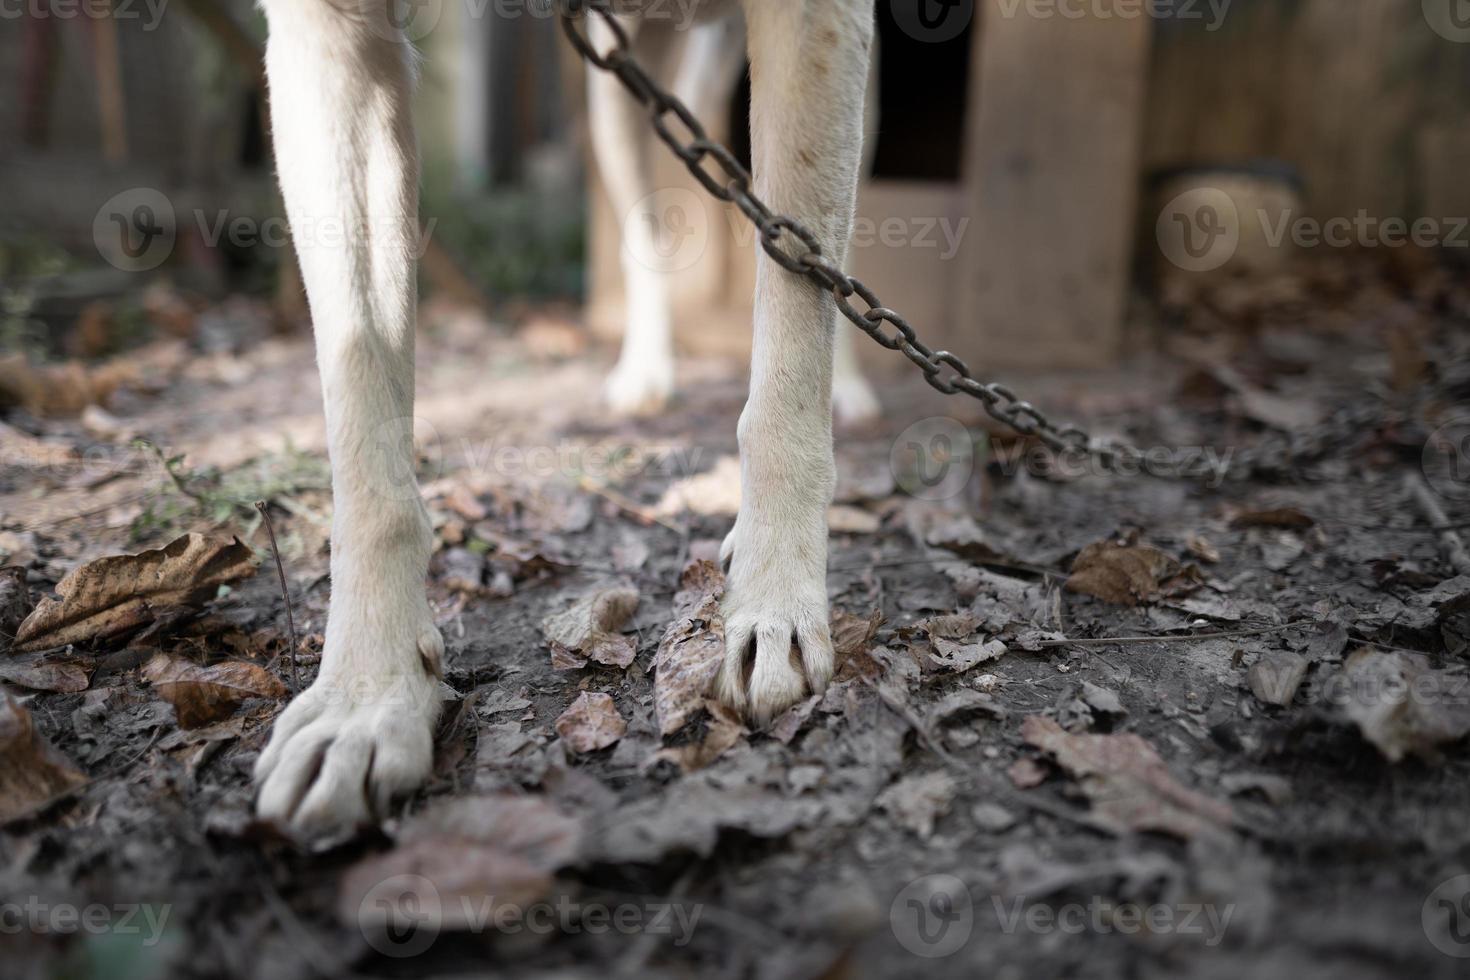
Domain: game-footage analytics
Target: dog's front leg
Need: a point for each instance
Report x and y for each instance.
(340, 87)
(809, 62)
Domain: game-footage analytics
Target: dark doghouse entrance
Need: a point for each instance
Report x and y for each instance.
(923, 94)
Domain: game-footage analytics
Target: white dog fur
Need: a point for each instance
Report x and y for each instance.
(340, 83)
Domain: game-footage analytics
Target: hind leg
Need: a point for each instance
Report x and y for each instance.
(643, 378)
(710, 59)
(853, 399)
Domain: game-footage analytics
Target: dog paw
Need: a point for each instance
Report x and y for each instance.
(778, 642)
(352, 742)
(853, 400)
(640, 387)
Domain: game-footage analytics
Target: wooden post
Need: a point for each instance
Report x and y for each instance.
(1051, 181)
(107, 66)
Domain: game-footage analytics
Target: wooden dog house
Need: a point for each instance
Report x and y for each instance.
(998, 215)
(1042, 131)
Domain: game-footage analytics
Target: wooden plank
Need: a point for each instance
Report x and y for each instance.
(1354, 95)
(1051, 174)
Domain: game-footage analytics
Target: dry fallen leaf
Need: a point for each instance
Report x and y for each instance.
(116, 595)
(937, 525)
(49, 390)
(516, 560)
(1288, 518)
(590, 630)
(1127, 782)
(1026, 773)
(692, 648)
(1278, 411)
(1201, 547)
(852, 643)
(460, 863)
(32, 771)
(201, 695)
(1277, 675)
(546, 335)
(463, 501)
(591, 723)
(716, 493)
(723, 729)
(844, 519)
(713, 493)
(68, 676)
(1402, 705)
(960, 657)
(793, 719)
(1123, 573)
(917, 801)
(964, 703)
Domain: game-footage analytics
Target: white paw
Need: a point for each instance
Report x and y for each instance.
(361, 735)
(640, 386)
(853, 400)
(778, 642)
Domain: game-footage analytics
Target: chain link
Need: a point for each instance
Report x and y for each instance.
(794, 247)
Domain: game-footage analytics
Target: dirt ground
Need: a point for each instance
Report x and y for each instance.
(1085, 725)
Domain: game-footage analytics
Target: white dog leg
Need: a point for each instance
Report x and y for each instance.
(809, 71)
(643, 379)
(853, 400)
(340, 82)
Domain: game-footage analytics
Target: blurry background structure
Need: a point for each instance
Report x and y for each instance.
(1038, 136)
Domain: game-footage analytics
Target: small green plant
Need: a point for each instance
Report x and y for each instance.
(514, 242)
(192, 493)
(23, 266)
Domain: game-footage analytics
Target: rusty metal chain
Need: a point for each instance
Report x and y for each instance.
(795, 248)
